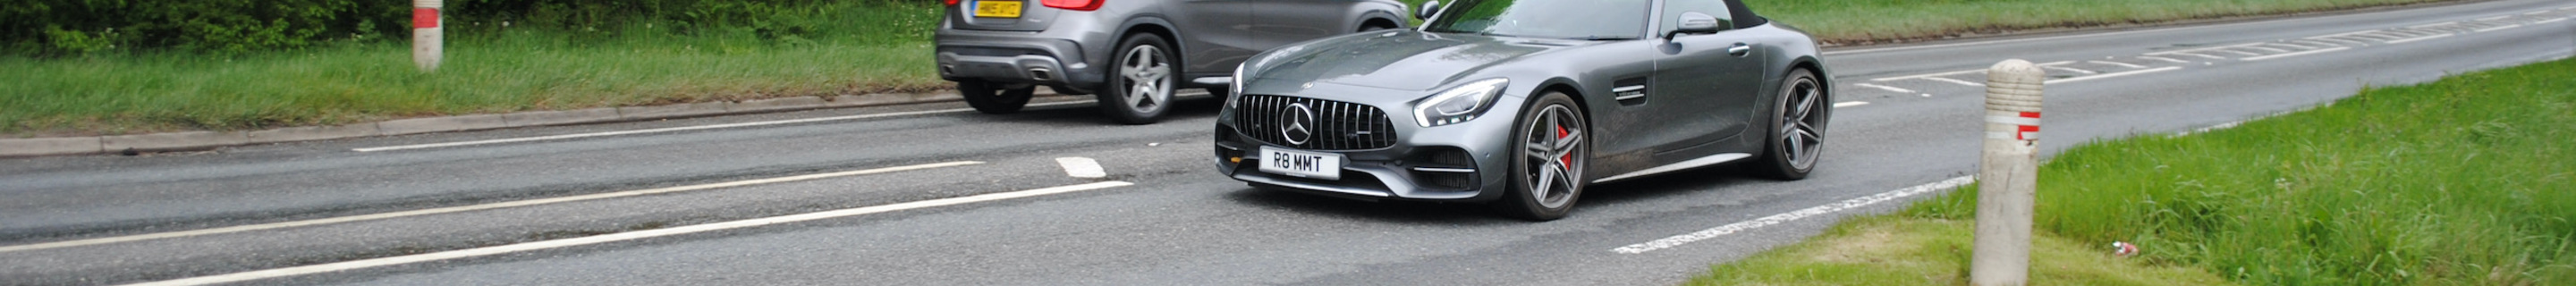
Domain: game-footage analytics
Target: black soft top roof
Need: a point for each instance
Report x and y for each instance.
(1744, 18)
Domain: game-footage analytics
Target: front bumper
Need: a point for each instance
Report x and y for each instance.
(1459, 162)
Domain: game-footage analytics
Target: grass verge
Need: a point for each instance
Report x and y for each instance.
(2464, 181)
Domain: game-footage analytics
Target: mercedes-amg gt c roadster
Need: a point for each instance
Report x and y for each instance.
(1523, 103)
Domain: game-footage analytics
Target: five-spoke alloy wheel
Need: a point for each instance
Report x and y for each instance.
(1548, 170)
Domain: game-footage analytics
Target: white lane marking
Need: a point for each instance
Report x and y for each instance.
(520, 203)
(2550, 21)
(2268, 49)
(2291, 45)
(2343, 34)
(2201, 55)
(1722, 230)
(2499, 28)
(2409, 40)
(2165, 59)
(1080, 167)
(1888, 88)
(2303, 53)
(1894, 78)
(686, 128)
(1889, 49)
(2128, 65)
(1850, 104)
(2495, 18)
(2055, 63)
(2204, 49)
(2109, 75)
(1960, 82)
(2334, 43)
(2220, 126)
(2432, 25)
(2068, 69)
(623, 236)
(2239, 52)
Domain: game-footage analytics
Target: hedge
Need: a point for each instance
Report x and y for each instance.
(53, 28)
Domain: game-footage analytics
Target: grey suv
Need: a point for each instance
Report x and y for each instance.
(1133, 53)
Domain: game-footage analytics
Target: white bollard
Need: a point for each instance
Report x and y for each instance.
(2008, 175)
(425, 34)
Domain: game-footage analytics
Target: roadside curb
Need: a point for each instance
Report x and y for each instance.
(208, 140)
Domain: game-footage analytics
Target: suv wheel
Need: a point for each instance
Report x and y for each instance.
(993, 98)
(1140, 81)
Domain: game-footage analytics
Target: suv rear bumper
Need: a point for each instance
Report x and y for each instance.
(1016, 57)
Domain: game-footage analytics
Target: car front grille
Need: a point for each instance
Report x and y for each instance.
(1337, 125)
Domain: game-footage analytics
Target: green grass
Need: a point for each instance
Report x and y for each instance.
(1900, 250)
(833, 49)
(1862, 21)
(2470, 180)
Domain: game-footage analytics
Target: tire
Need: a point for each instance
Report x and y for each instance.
(1795, 140)
(1141, 81)
(1546, 180)
(992, 98)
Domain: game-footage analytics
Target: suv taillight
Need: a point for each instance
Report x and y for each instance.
(952, 2)
(1077, 5)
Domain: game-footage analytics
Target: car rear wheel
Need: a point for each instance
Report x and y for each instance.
(1140, 82)
(1548, 165)
(1797, 133)
(995, 98)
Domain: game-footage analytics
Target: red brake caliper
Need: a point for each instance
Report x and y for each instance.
(1568, 159)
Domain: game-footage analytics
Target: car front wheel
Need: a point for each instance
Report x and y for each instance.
(1549, 160)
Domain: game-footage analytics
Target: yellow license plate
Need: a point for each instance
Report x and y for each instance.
(997, 9)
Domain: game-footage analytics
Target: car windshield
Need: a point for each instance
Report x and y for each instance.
(1566, 19)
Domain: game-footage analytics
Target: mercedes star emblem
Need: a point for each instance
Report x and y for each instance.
(1297, 120)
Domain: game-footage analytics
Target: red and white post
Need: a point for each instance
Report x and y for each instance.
(425, 34)
(2009, 175)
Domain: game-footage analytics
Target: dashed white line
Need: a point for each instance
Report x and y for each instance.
(1678, 240)
(2499, 28)
(2334, 43)
(2309, 52)
(1080, 167)
(2495, 18)
(2204, 49)
(1882, 87)
(623, 236)
(2165, 59)
(677, 129)
(1850, 104)
(2410, 40)
(2240, 52)
(2267, 49)
(2201, 55)
(509, 204)
(2550, 21)
(2128, 65)
(2432, 25)
(1960, 82)
(1895, 78)
(2109, 75)
(2073, 70)
(2291, 45)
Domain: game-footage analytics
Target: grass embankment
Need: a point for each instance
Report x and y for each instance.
(489, 68)
(2470, 180)
(844, 47)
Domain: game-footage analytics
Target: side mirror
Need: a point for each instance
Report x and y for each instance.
(1429, 8)
(1695, 23)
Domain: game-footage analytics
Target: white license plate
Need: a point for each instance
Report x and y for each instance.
(1310, 165)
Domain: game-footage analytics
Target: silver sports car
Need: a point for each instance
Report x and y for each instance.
(1522, 103)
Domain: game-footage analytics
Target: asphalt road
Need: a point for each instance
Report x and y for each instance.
(704, 207)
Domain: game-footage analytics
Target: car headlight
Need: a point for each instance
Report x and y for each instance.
(1234, 86)
(1459, 104)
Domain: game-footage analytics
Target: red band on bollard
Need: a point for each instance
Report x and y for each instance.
(424, 18)
(2030, 114)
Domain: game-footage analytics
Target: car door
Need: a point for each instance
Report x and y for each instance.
(1279, 22)
(1214, 34)
(1707, 83)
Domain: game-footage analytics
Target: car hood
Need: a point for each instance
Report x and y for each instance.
(1403, 60)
